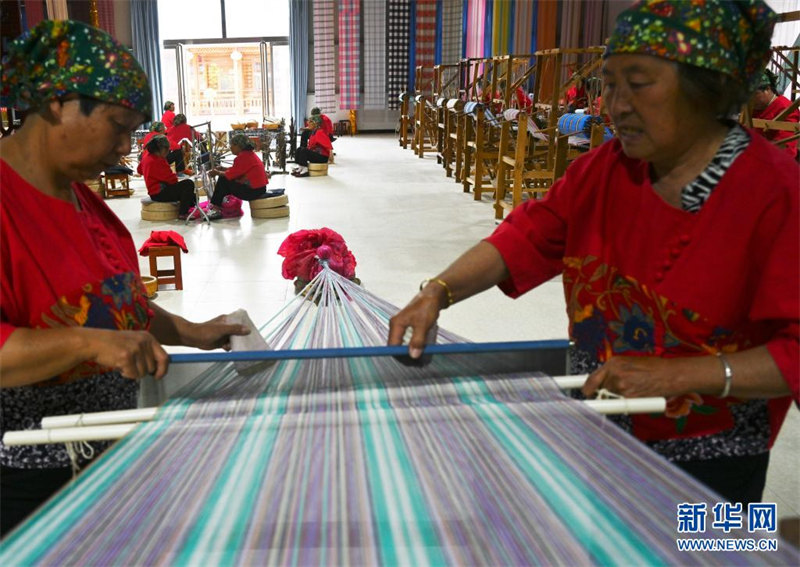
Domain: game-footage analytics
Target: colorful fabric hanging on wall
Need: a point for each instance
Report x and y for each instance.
(451, 31)
(349, 54)
(105, 13)
(374, 17)
(324, 54)
(425, 41)
(397, 80)
(475, 28)
(501, 28)
(523, 26)
(547, 23)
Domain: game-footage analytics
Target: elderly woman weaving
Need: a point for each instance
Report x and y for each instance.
(677, 244)
(75, 325)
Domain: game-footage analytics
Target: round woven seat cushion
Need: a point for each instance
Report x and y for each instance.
(272, 213)
(317, 169)
(156, 211)
(269, 202)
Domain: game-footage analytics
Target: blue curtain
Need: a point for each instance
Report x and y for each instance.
(298, 55)
(144, 32)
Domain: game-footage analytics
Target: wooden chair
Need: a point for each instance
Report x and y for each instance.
(405, 119)
(527, 170)
(481, 137)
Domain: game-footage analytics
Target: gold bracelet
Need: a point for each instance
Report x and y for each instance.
(441, 283)
(726, 366)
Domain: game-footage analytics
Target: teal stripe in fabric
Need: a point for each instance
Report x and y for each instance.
(365, 461)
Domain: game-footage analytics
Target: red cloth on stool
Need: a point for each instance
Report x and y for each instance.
(163, 238)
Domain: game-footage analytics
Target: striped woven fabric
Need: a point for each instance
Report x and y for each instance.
(501, 23)
(324, 63)
(397, 79)
(374, 55)
(523, 27)
(349, 54)
(451, 31)
(425, 40)
(475, 28)
(369, 462)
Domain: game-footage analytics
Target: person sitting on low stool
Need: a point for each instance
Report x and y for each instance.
(162, 183)
(318, 151)
(245, 179)
(180, 131)
(156, 128)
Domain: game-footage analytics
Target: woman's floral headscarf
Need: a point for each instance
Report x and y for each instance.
(729, 36)
(61, 57)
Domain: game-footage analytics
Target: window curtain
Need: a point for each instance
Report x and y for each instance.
(298, 55)
(594, 14)
(324, 54)
(349, 54)
(374, 55)
(144, 33)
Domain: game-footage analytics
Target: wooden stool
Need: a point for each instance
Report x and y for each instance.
(269, 207)
(110, 185)
(157, 211)
(343, 127)
(317, 169)
(166, 277)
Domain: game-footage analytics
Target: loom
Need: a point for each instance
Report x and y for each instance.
(364, 460)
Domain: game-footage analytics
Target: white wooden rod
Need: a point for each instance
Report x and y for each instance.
(148, 414)
(99, 418)
(628, 405)
(68, 434)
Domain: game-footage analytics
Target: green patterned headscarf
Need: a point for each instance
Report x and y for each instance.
(729, 36)
(61, 57)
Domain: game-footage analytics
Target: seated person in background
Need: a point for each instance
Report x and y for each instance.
(305, 134)
(245, 179)
(162, 184)
(156, 128)
(169, 114)
(180, 131)
(318, 151)
(327, 125)
(524, 102)
(767, 105)
(576, 98)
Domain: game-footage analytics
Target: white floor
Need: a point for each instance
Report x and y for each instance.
(404, 221)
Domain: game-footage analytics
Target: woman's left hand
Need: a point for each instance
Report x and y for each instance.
(215, 333)
(642, 376)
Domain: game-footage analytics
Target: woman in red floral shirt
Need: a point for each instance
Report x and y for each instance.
(677, 244)
(76, 329)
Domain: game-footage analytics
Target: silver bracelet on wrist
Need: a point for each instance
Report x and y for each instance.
(726, 366)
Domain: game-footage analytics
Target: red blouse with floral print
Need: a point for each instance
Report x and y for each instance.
(643, 278)
(63, 267)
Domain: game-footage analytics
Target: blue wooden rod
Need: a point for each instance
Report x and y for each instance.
(354, 352)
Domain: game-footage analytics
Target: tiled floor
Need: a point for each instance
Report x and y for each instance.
(404, 221)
